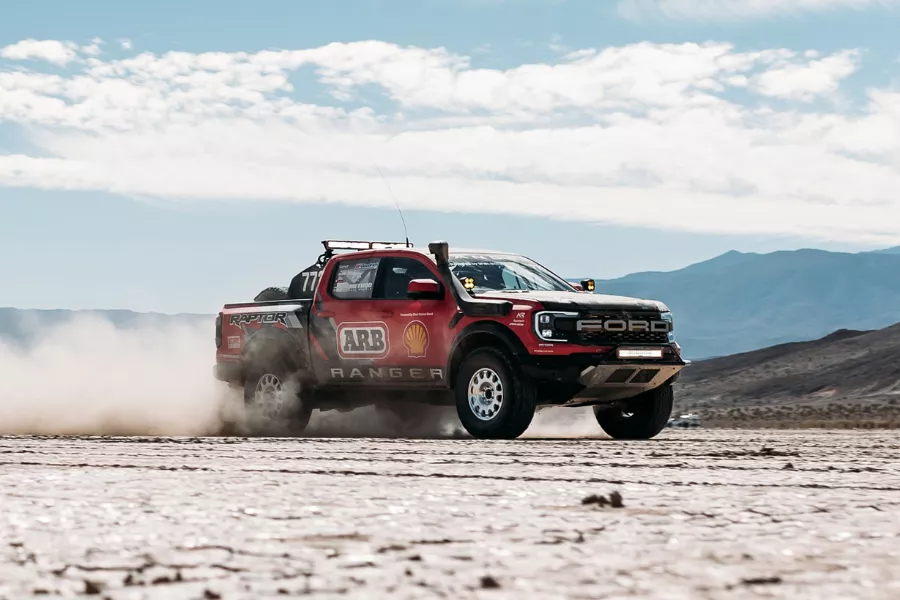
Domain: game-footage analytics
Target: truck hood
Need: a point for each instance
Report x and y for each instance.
(571, 301)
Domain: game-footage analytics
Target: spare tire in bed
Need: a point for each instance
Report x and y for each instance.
(271, 294)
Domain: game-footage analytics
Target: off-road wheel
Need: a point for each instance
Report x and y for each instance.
(643, 417)
(493, 401)
(273, 402)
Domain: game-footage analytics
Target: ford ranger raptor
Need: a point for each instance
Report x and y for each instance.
(494, 334)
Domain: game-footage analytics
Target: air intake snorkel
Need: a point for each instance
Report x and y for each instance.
(470, 307)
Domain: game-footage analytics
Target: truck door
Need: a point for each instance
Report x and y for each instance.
(382, 337)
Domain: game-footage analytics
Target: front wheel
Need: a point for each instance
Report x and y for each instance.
(273, 402)
(642, 418)
(492, 401)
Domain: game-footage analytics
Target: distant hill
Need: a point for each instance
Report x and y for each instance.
(848, 375)
(20, 325)
(743, 301)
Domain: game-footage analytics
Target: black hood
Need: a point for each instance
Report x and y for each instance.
(571, 301)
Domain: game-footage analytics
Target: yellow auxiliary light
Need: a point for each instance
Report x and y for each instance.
(469, 283)
(587, 285)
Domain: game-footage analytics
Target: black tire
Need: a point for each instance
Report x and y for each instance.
(271, 294)
(645, 416)
(294, 415)
(516, 409)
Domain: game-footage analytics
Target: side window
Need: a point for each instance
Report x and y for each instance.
(355, 279)
(397, 275)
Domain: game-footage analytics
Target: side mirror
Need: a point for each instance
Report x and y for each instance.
(578, 287)
(587, 285)
(423, 289)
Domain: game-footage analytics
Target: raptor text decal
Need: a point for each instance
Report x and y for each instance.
(268, 318)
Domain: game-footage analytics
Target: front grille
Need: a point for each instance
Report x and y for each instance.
(611, 338)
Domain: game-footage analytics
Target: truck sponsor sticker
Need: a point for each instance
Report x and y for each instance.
(371, 374)
(363, 340)
(518, 319)
(354, 278)
(234, 342)
(415, 339)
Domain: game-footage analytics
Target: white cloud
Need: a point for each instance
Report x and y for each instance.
(737, 9)
(807, 81)
(52, 51)
(643, 135)
(93, 49)
(125, 44)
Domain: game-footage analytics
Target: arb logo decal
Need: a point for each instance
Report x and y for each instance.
(415, 338)
(362, 340)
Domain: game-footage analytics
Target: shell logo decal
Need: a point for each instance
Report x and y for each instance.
(415, 338)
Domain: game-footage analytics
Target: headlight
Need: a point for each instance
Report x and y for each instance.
(544, 325)
(667, 316)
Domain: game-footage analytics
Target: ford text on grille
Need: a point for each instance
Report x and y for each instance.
(623, 325)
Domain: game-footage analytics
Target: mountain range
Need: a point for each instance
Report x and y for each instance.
(20, 325)
(743, 301)
(732, 303)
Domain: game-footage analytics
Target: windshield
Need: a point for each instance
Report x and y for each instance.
(507, 273)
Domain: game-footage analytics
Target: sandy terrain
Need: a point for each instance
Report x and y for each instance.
(707, 514)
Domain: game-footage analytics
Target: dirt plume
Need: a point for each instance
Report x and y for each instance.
(408, 421)
(556, 422)
(86, 376)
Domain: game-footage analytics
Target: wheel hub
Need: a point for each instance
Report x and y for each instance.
(485, 394)
(269, 398)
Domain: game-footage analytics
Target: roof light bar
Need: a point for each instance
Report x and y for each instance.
(358, 245)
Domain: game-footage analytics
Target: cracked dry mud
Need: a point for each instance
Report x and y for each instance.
(707, 514)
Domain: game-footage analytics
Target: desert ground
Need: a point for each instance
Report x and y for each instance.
(691, 514)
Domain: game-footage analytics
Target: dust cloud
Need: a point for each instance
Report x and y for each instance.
(88, 377)
(411, 421)
(555, 423)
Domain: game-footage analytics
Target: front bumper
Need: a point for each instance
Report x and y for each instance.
(590, 379)
(611, 382)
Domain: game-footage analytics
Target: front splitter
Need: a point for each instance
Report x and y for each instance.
(608, 383)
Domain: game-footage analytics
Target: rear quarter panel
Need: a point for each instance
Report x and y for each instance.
(244, 323)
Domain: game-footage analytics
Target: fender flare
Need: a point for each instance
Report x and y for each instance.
(271, 344)
(504, 336)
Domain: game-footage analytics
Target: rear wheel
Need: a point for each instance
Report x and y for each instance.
(273, 402)
(642, 418)
(492, 400)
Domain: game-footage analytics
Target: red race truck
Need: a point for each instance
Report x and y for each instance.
(493, 333)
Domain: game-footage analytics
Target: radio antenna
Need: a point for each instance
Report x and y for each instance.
(397, 204)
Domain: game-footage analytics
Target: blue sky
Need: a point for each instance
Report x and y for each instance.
(599, 138)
